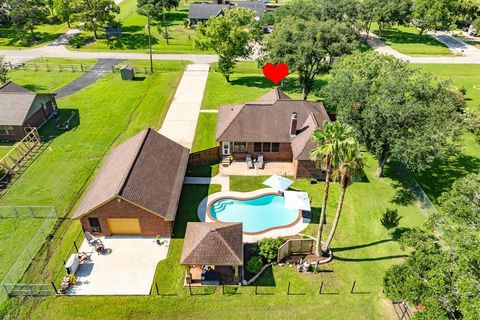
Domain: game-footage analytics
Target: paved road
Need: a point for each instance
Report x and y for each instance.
(379, 46)
(456, 45)
(101, 69)
(182, 117)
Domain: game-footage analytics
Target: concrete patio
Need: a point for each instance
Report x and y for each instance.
(239, 168)
(126, 268)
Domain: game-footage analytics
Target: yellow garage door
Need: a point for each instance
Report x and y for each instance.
(124, 226)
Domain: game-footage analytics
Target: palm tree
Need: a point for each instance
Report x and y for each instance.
(351, 163)
(330, 140)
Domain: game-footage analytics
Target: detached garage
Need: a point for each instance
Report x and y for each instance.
(137, 189)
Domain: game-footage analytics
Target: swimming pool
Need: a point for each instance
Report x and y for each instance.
(258, 215)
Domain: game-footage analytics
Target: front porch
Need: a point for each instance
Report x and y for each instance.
(199, 275)
(239, 168)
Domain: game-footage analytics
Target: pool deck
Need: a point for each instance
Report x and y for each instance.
(280, 232)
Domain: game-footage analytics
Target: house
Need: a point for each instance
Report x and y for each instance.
(22, 109)
(137, 189)
(275, 126)
(212, 253)
(201, 12)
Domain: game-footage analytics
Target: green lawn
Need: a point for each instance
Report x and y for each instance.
(407, 41)
(246, 84)
(44, 33)
(205, 134)
(135, 37)
(106, 113)
(363, 249)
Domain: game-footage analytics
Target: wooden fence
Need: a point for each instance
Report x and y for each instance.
(295, 246)
(205, 157)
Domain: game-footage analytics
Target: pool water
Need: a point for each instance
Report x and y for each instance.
(256, 214)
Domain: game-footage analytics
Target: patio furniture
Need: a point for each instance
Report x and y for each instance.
(91, 239)
(83, 257)
(99, 247)
(260, 164)
(249, 161)
(211, 278)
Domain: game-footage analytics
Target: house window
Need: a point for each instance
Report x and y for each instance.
(275, 147)
(95, 224)
(257, 147)
(239, 147)
(266, 147)
(6, 130)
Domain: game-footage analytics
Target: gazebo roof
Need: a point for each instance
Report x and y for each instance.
(213, 243)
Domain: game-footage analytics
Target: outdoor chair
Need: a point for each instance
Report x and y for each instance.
(249, 161)
(260, 164)
(91, 239)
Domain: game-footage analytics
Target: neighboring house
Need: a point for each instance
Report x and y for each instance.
(137, 189)
(22, 109)
(201, 12)
(212, 253)
(275, 126)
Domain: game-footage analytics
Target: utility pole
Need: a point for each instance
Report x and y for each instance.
(164, 24)
(150, 42)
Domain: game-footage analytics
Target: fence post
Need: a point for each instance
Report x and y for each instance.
(73, 69)
(288, 290)
(81, 67)
(353, 286)
(113, 68)
(46, 67)
(145, 70)
(35, 67)
(321, 288)
(190, 289)
(75, 245)
(54, 288)
(256, 292)
(59, 68)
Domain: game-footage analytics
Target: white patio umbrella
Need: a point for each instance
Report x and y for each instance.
(297, 200)
(279, 183)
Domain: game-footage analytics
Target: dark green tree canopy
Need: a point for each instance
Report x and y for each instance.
(96, 13)
(309, 46)
(443, 274)
(26, 14)
(154, 8)
(231, 35)
(397, 111)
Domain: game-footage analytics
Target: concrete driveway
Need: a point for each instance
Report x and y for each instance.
(126, 268)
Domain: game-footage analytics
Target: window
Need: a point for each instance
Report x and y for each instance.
(6, 130)
(239, 147)
(257, 147)
(95, 224)
(266, 147)
(275, 147)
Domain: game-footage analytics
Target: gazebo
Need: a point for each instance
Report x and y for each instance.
(212, 253)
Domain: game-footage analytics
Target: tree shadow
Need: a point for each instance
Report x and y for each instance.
(50, 132)
(361, 246)
(266, 279)
(131, 41)
(401, 37)
(398, 256)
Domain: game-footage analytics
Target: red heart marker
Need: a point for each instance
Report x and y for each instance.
(275, 73)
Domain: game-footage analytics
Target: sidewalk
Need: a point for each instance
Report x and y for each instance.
(182, 117)
(456, 45)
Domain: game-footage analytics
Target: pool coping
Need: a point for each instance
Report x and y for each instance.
(286, 230)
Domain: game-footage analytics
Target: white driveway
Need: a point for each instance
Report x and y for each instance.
(127, 267)
(182, 117)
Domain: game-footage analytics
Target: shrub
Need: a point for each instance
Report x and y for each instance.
(390, 219)
(268, 248)
(254, 264)
(78, 41)
(472, 121)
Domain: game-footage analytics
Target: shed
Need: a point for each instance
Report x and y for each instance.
(137, 189)
(127, 72)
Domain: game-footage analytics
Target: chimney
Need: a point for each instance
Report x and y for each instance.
(293, 125)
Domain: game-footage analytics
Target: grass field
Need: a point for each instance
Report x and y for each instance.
(407, 41)
(135, 36)
(106, 113)
(44, 33)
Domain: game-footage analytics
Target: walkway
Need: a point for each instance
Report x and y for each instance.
(456, 45)
(182, 117)
(223, 181)
(101, 69)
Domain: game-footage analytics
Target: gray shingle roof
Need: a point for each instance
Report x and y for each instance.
(257, 6)
(205, 11)
(147, 170)
(213, 243)
(15, 103)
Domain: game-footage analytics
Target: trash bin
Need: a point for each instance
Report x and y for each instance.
(72, 264)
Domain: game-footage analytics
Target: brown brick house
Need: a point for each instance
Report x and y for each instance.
(137, 189)
(275, 126)
(21, 109)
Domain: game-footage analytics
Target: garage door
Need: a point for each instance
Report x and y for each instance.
(124, 226)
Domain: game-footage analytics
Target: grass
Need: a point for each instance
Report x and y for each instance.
(44, 33)
(407, 41)
(361, 256)
(107, 113)
(246, 84)
(135, 37)
(204, 135)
